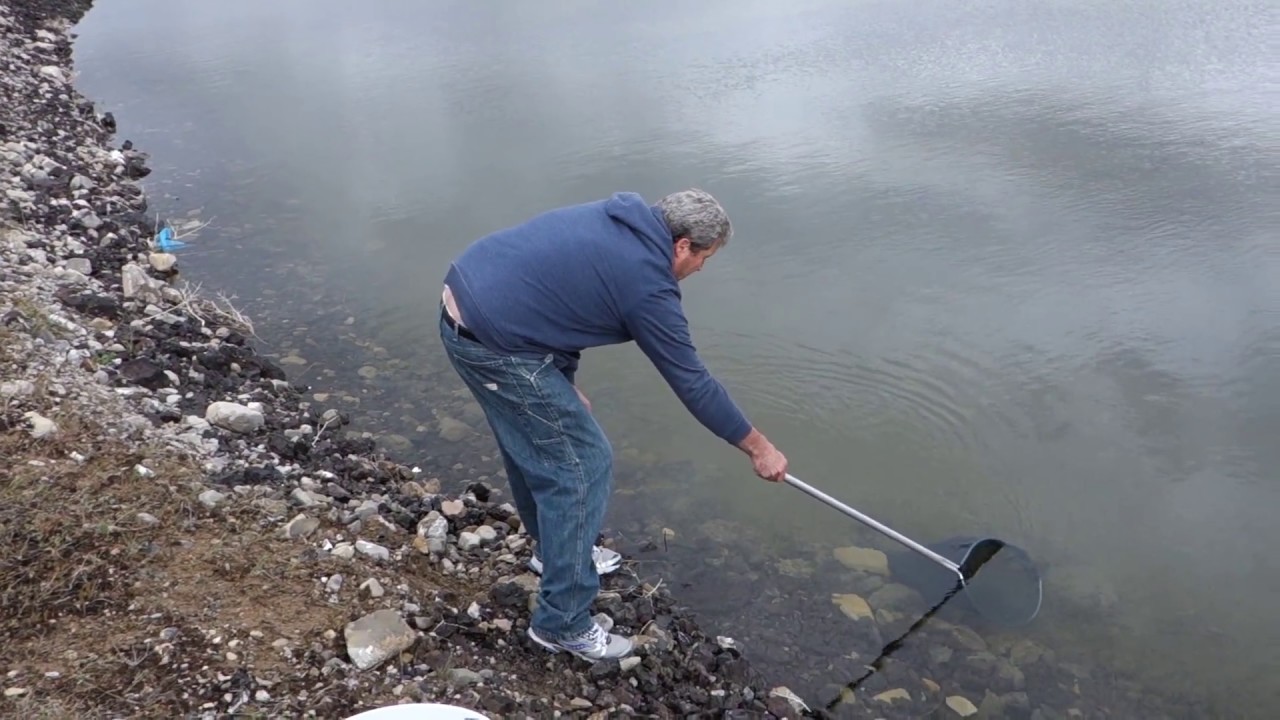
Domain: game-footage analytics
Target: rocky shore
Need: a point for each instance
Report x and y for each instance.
(192, 538)
(191, 533)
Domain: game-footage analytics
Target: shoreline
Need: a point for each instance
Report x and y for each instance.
(248, 557)
(196, 539)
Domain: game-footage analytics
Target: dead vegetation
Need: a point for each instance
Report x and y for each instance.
(73, 531)
(81, 528)
(121, 595)
(112, 571)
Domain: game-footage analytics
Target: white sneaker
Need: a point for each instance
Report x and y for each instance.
(606, 561)
(594, 644)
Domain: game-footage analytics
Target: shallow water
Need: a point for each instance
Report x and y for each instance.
(998, 269)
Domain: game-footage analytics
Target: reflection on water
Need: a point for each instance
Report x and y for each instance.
(999, 269)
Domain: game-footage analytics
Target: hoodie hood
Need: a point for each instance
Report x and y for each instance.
(645, 220)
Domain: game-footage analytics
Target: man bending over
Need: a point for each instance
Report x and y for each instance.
(518, 308)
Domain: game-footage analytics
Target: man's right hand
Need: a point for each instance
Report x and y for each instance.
(770, 465)
(768, 462)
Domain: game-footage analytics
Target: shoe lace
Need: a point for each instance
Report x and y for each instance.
(595, 635)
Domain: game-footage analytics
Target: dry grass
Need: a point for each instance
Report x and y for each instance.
(120, 594)
(101, 559)
(71, 531)
(76, 552)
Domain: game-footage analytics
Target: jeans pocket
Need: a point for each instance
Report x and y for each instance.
(468, 352)
(477, 358)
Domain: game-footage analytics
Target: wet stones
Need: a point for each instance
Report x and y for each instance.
(453, 430)
(854, 606)
(864, 560)
(961, 706)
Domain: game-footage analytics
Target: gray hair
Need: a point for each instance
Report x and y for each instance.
(696, 215)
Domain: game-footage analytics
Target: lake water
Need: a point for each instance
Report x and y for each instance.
(999, 267)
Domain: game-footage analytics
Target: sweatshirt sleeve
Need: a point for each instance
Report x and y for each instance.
(658, 325)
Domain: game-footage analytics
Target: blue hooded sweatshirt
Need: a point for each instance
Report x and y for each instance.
(587, 275)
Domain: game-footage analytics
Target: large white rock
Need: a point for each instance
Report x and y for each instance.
(377, 637)
(54, 72)
(136, 282)
(162, 262)
(234, 417)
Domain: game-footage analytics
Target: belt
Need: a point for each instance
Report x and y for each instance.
(444, 312)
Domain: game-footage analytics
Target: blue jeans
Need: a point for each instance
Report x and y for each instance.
(559, 466)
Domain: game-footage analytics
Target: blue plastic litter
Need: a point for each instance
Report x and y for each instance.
(165, 240)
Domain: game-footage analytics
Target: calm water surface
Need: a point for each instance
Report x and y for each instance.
(999, 267)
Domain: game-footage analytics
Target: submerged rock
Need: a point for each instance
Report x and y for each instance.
(863, 559)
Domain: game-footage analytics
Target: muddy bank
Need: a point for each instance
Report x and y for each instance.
(245, 553)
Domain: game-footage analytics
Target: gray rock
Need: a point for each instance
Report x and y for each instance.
(433, 526)
(967, 638)
(234, 417)
(53, 72)
(453, 430)
(461, 677)
(334, 584)
(377, 637)
(468, 540)
(302, 498)
(211, 498)
(896, 597)
(373, 550)
(80, 265)
(301, 526)
(136, 282)
(1025, 652)
(17, 388)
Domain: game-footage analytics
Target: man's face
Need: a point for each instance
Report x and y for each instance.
(687, 261)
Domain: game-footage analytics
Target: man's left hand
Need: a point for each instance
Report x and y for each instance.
(585, 401)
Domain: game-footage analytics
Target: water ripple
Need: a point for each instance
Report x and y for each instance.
(844, 389)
